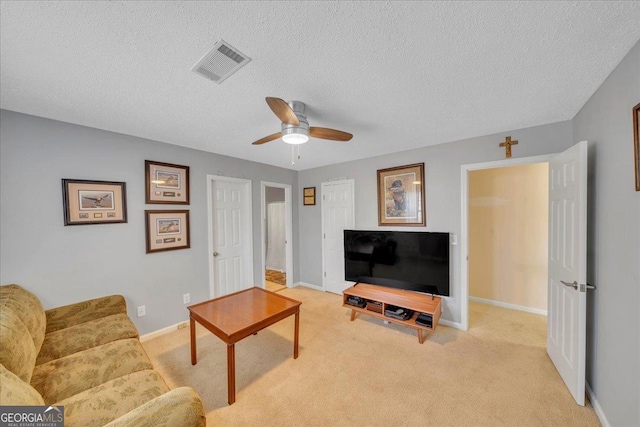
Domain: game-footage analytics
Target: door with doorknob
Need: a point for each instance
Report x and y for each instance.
(230, 266)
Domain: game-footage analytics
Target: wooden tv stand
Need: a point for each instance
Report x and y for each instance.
(420, 303)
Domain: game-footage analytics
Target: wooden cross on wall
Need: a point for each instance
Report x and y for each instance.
(507, 144)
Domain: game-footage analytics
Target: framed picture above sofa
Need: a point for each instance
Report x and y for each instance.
(93, 202)
(166, 183)
(167, 230)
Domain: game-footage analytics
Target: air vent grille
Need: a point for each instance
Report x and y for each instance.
(220, 62)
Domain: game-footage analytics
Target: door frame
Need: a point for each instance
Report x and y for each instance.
(248, 217)
(464, 229)
(288, 221)
(323, 186)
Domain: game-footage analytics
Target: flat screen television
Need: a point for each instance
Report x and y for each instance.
(415, 261)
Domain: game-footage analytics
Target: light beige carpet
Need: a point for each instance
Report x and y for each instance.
(272, 286)
(365, 373)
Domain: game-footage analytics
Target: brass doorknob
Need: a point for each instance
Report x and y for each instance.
(216, 254)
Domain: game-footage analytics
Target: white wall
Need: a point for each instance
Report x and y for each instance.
(613, 317)
(443, 200)
(68, 264)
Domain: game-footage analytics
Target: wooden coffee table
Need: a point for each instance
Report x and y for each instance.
(238, 315)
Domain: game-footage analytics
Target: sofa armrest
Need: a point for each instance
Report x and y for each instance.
(74, 314)
(181, 407)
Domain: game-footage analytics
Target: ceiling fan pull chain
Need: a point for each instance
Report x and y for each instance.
(298, 152)
(293, 161)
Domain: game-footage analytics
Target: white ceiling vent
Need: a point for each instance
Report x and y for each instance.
(220, 62)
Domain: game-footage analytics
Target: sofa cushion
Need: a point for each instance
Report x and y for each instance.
(64, 377)
(85, 311)
(28, 308)
(14, 391)
(86, 335)
(99, 405)
(180, 407)
(18, 352)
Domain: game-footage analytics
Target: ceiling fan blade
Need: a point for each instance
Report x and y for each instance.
(268, 138)
(283, 111)
(332, 134)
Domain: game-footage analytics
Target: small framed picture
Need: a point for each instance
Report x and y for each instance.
(401, 196)
(166, 183)
(309, 196)
(93, 202)
(167, 230)
(636, 142)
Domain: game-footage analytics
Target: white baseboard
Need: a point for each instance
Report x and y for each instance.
(507, 305)
(596, 406)
(451, 324)
(308, 285)
(159, 332)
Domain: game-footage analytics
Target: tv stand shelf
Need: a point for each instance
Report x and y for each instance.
(419, 303)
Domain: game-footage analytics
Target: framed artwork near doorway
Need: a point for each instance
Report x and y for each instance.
(167, 230)
(636, 143)
(166, 183)
(309, 196)
(401, 196)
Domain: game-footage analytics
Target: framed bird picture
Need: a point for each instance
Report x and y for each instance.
(93, 202)
(167, 230)
(166, 183)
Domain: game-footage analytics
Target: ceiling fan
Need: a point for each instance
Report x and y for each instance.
(295, 127)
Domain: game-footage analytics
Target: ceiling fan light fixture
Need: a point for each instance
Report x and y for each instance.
(295, 135)
(295, 138)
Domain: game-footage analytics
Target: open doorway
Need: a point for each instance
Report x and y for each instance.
(566, 264)
(497, 275)
(508, 250)
(276, 231)
(508, 237)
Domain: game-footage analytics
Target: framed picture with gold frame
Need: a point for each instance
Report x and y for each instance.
(167, 230)
(309, 196)
(93, 202)
(636, 142)
(166, 183)
(401, 196)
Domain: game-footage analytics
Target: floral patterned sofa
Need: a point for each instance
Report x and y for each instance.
(88, 358)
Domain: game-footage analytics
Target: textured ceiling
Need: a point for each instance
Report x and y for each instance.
(398, 75)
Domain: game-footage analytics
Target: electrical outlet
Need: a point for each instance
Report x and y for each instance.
(142, 310)
(186, 298)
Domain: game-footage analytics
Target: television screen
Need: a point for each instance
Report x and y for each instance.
(416, 261)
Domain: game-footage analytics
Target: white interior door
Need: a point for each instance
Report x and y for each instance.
(337, 215)
(566, 321)
(231, 247)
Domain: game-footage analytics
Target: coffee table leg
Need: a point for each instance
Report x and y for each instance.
(231, 372)
(295, 335)
(192, 325)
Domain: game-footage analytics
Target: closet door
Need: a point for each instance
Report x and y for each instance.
(338, 214)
